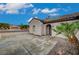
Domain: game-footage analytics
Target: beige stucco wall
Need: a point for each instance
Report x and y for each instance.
(44, 29)
(77, 35)
(60, 35)
(38, 27)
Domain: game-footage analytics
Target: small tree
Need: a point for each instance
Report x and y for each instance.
(4, 26)
(23, 26)
(69, 30)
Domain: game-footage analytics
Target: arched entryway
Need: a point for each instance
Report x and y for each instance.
(48, 29)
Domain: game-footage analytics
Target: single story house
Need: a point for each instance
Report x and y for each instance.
(44, 27)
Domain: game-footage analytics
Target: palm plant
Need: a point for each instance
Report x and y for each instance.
(69, 30)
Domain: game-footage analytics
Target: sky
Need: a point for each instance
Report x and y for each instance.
(20, 13)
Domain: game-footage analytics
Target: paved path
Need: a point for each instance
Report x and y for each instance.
(26, 44)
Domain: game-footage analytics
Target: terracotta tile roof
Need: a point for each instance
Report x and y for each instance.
(69, 17)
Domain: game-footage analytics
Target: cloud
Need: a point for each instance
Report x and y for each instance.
(12, 12)
(17, 5)
(36, 11)
(67, 9)
(54, 14)
(14, 7)
(47, 10)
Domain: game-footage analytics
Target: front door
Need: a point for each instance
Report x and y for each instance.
(48, 29)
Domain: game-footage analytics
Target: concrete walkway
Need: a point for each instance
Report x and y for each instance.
(24, 43)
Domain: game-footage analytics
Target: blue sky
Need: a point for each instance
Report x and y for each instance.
(20, 13)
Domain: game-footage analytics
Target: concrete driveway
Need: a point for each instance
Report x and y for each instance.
(23, 43)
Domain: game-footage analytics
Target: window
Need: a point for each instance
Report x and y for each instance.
(33, 27)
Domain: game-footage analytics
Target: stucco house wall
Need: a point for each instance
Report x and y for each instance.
(41, 29)
(53, 25)
(37, 30)
(77, 35)
(44, 29)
